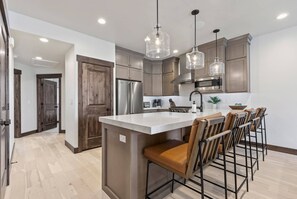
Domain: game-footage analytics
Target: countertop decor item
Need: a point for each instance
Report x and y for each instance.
(217, 67)
(238, 106)
(157, 42)
(195, 59)
(214, 101)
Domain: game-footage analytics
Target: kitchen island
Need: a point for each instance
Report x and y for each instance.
(125, 137)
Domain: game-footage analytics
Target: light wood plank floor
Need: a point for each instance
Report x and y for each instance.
(46, 169)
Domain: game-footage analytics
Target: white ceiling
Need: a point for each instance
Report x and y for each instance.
(28, 46)
(128, 21)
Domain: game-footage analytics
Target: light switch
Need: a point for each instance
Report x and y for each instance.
(122, 138)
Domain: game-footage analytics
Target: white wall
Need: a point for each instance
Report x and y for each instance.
(83, 45)
(273, 75)
(11, 99)
(29, 95)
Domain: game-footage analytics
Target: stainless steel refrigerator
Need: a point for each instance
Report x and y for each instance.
(129, 97)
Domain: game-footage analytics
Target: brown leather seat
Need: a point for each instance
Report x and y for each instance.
(176, 155)
(171, 154)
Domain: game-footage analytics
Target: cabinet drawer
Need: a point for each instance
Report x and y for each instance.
(136, 74)
(122, 72)
(122, 58)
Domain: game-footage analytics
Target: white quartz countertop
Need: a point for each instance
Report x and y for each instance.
(154, 123)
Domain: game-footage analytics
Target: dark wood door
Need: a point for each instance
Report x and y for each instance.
(95, 101)
(4, 110)
(17, 103)
(49, 104)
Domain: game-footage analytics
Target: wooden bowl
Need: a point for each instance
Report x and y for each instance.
(237, 107)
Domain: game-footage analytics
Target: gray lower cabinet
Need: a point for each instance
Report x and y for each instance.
(238, 64)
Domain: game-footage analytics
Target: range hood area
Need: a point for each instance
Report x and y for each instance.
(186, 76)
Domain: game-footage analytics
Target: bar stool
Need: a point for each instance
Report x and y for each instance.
(260, 128)
(189, 159)
(236, 122)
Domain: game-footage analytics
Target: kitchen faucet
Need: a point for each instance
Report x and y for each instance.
(201, 101)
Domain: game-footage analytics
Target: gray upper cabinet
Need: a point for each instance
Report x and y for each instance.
(238, 64)
(129, 64)
(152, 74)
(170, 72)
(209, 50)
(122, 57)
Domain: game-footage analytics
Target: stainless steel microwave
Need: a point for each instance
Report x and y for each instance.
(210, 85)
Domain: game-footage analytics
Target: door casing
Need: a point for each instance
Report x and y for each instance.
(38, 79)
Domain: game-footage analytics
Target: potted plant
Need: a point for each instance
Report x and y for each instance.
(214, 101)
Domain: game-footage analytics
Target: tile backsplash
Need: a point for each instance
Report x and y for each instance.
(186, 89)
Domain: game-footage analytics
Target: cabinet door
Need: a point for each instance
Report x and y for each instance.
(237, 76)
(168, 87)
(122, 72)
(136, 74)
(168, 67)
(236, 51)
(136, 61)
(147, 66)
(122, 58)
(157, 84)
(157, 68)
(147, 84)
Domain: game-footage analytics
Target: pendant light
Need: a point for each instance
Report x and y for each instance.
(217, 67)
(157, 42)
(195, 59)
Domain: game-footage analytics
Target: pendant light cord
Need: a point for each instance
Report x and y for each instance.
(216, 44)
(195, 31)
(157, 16)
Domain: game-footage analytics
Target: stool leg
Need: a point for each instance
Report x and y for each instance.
(257, 151)
(147, 176)
(265, 134)
(201, 170)
(251, 157)
(262, 139)
(246, 164)
(225, 172)
(172, 183)
(235, 170)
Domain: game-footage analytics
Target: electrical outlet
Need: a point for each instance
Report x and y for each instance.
(122, 138)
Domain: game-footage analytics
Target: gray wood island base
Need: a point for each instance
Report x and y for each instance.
(124, 139)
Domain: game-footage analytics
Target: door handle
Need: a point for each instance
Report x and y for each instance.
(5, 123)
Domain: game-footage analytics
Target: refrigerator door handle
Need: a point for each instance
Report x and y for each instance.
(131, 94)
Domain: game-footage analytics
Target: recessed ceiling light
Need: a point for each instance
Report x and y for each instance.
(175, 51)
(101, 21)
(38, 58)
(282, 16)
(44, 40)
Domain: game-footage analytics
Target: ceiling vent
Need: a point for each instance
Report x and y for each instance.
(44, 63)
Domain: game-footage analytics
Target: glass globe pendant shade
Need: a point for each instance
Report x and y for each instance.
(157, 44)
(217, 67)
(195, 59)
